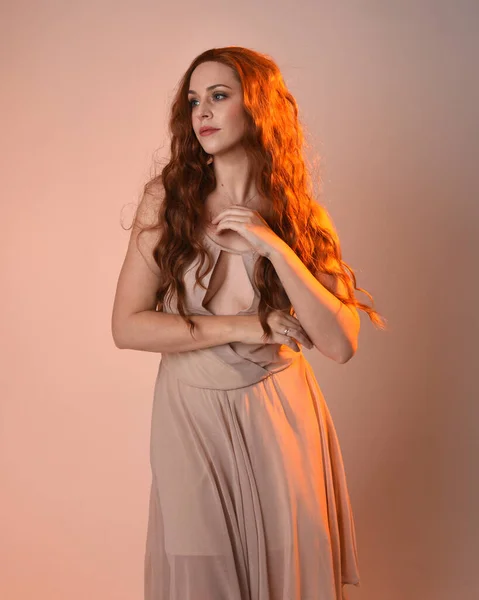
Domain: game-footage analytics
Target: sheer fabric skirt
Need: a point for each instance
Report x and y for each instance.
(248, 499)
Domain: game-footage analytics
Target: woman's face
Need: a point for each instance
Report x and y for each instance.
(220, 107)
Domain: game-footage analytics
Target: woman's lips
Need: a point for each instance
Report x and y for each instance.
(209, 131)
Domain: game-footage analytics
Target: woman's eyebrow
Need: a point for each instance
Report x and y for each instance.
(211, 87)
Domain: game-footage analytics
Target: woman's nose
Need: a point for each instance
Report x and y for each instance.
(204, 111)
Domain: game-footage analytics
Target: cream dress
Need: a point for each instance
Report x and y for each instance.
(249, 499)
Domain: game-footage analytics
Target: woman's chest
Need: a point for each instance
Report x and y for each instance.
(229, 288)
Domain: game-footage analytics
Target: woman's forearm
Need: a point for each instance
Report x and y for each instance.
(153, 331)
(332, 326)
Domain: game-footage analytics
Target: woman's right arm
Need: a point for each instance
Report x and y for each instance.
(153, 331)
(135, 322)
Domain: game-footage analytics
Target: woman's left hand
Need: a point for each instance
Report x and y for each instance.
(250, 225)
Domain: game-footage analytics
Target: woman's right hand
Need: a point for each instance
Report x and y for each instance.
(251, 331)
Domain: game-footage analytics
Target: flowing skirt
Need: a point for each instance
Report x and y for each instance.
(249, 499)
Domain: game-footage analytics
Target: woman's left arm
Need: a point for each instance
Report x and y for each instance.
(332, 326)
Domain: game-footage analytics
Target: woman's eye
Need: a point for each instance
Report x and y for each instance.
(216, 94)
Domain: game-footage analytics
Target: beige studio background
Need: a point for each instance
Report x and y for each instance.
(388, 92)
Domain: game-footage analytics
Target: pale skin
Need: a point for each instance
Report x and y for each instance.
(321, 321)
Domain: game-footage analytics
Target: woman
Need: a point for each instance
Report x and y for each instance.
(238, 269)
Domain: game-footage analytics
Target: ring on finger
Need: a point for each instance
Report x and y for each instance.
(286, 331)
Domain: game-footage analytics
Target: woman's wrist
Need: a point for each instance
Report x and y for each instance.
(245, 328)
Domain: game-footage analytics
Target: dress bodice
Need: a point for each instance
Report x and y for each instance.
(230, 290)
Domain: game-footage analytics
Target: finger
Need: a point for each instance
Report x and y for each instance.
(230, 221)
(288, 341)
(296, 325)
(304, 340)
(300, 336)
(297, 332)
(297, 336)
(301, 339)
(231, 212)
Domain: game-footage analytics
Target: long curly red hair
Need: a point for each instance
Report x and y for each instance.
(274, 142)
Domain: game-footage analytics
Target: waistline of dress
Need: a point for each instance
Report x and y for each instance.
(206, 368)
